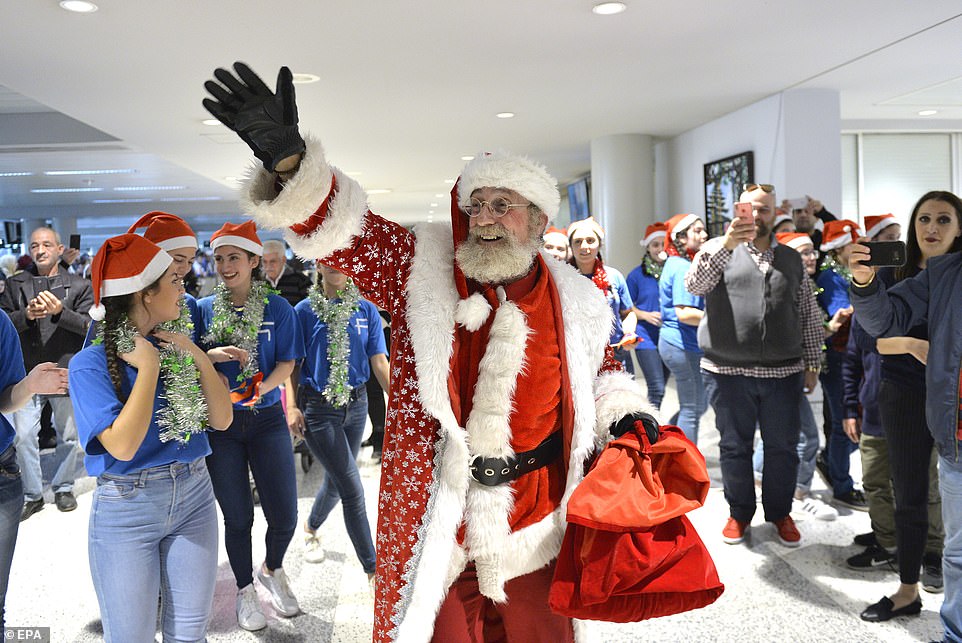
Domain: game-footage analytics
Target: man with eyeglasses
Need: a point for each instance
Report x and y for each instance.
(48, 306)
(501, 381)
(762, 338)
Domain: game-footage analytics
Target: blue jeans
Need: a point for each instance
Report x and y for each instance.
(11, 502)
(839, 448)
(950, 481)
(69, 454)
(807, 448)
(154, 532)
(656, 374)
(692, 398)
(624, 356)
(259, 440)
(742, 403)
(334, 437)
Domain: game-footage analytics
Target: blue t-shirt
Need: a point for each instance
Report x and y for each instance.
(11, 372)
(366, 337)
(618, 300)
(279, 340)
(834, 291)
(671, 293)
(643, 289)
(96, 407)
(191, 307)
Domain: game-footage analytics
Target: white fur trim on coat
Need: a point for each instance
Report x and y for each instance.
(343, 222)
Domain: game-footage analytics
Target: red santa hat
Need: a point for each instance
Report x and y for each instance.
(838, 234)
(875, 224)
(504, 170)
(679, 223)
(166, 230)
(124, 264)
(794, 240)
(656, 230)
(584, 226)
(556, 236)
(242, 235)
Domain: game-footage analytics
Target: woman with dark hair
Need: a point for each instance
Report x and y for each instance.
(149, 394)
(681, 313)
(261, 332)
(907, 308)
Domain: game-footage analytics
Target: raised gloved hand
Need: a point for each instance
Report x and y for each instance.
(265, 120)
(629, 422)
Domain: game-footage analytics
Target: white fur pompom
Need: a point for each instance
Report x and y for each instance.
(472, 312)
(97, 312)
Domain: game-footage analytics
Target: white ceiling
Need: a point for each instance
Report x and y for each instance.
(408, 88)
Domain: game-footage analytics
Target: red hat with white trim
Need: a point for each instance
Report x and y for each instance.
(794, 240)
(875, 224)
(838, 234)
(505, 170)
(556, 236)
(125, 264)
(242, 235)
(679, 223)
(656, 230)
(166, 230)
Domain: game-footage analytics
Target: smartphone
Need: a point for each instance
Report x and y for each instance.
(886, 253)
(57, 287)
(743, 211)
(40, 284)
(74, 242)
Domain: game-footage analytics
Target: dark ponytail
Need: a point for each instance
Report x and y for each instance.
(116, 311)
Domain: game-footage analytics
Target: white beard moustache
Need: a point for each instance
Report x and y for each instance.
(494, 265)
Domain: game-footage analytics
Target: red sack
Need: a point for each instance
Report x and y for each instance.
(629, 552)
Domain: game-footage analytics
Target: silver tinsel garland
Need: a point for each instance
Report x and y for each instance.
(336, 313)
(227, 329)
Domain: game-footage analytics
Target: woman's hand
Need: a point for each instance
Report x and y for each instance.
(295, 422)
(144, 356)
(47, 379)
(181, 341)
(228, 354)
(919, 349)
(861, 274)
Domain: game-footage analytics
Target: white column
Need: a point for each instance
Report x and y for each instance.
(623, 194)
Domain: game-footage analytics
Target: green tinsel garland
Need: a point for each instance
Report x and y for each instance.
(336, 313)
(227, 329)
(831, 263)
(652, 267)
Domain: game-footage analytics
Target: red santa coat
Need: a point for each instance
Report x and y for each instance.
(426, 487)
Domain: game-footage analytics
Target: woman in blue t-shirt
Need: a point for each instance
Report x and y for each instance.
(344, 344)
(147, 397)
(258, 334)
(680, 314)
(643, 289)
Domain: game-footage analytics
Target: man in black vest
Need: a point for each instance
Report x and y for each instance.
(762, 335)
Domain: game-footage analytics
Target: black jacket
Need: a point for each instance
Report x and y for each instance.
(50, 339)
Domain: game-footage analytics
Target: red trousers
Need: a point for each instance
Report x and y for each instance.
(468, 617)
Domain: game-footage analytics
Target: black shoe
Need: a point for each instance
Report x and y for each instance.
(368, 442)
(873, 556)
(932, 573)
(854, 499)
(882, 611)
(65, 501)
(865, 540)
(30, 507)
(821, 466)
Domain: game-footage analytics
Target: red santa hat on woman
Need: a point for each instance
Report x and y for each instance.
(838, 234)
(656, 230)
(556, 236)
(166, 230)
(242, 235)
(794, 240)
(125, 264)
(875, 224)
(518, 173)
(586, 226)
(679, 223)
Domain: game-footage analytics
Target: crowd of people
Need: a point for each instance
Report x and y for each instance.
(508, 368)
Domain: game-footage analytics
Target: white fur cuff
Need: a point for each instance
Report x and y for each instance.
(616, 395)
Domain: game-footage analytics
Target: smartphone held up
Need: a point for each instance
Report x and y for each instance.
(744, 214)
(885, 253)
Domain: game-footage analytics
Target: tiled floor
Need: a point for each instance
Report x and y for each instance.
(772, 593)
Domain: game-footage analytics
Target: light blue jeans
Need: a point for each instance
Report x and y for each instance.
(950, 481)
(154, 533)
(26, 421)
(11, 502)
(686, 367)
(807, 448)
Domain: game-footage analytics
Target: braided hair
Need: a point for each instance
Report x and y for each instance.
(116, 311)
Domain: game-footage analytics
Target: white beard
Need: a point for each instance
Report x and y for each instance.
(496, 264)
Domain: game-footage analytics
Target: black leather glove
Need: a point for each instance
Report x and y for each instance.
(627, 423)
(265, 120)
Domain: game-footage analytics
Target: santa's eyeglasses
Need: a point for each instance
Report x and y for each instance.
(499, 206)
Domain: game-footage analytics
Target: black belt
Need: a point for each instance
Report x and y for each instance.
(494, 471)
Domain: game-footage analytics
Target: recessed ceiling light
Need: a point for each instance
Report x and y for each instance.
(210, 121)
(449, 181)
(469, 158)
(305, 79)
(149, 188)
(379, 191)
(78, 6)
(16, 173)
(928, 112)
(430, 211)
(505, 114)
(439, 196)
(434, 205)
(84, 172)
(608, 8)
(64, 190)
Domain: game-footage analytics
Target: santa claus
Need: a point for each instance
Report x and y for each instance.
(502, 381)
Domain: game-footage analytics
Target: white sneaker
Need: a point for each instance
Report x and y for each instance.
(249, 614)
(313, 551)
(812, 507)
(281, 595)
